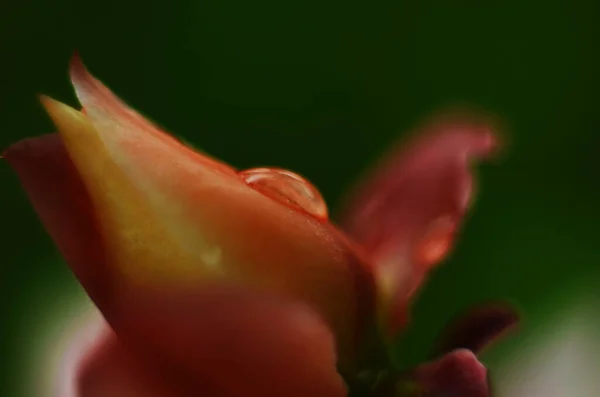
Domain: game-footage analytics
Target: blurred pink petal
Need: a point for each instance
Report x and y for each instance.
(456, 374)
(407, 211)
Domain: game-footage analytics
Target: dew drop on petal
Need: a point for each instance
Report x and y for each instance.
(288, 188)
(435, 243)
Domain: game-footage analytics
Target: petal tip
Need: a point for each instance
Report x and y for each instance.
(76, 65)
(22, 150)
(487, 130)
(58, 111)
(87, 87)
(46, 101)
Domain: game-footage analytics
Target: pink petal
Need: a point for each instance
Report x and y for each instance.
(406, 213)
(458, 374)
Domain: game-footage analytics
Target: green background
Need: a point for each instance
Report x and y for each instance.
(322, 88)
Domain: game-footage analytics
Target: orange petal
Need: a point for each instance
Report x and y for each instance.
(170, 221)
(408, 210)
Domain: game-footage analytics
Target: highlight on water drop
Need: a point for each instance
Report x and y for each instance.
(288, 188)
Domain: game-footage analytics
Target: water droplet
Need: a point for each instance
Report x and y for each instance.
(435, 243)
(288, 188)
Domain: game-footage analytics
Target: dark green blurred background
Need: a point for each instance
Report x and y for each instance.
(322, 88)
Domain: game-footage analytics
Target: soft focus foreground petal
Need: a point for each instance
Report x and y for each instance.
(109, 368)
(89, 361)
(240, 346)
(408, 210)
(477, 328)
(458, 374)
(166, 219)
(60, 199)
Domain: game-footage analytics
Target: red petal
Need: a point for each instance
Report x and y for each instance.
(245, 343)
(241, 347)
(408, 210)
(62, 203)
(91, 362)
(109, 368)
